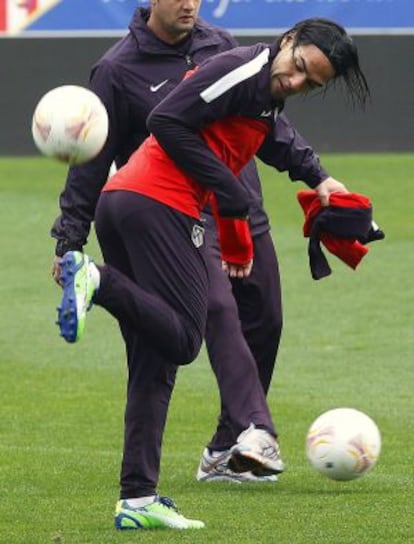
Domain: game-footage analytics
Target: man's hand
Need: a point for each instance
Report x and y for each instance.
(56, 270)
(237, 270)
(327, 187)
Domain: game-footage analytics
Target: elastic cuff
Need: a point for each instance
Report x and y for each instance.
(62, 246)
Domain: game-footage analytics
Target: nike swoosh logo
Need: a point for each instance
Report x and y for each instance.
(155, 88)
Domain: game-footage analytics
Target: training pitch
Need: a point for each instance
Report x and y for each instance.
(348, 341)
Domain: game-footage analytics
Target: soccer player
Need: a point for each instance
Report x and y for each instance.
(154, 280)
(167, 40)
(131, 78)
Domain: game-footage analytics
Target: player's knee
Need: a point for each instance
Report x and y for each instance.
(190, 347)
(275, 325)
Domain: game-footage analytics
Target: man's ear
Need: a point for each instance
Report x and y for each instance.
(286, 40)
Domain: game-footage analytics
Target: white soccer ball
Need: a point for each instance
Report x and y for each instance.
(343, 444)
(70, 123)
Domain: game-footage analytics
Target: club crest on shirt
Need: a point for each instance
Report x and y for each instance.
(197, 235)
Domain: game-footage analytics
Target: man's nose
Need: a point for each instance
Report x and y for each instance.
(298, 82)
(191, 4)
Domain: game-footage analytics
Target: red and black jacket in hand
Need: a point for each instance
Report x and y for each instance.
(343, 228)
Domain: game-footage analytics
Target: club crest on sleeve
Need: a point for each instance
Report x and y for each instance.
(197, 235)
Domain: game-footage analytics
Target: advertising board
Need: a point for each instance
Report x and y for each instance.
(241, 17)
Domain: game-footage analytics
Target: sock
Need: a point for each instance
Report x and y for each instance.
(140, 501)
(94, 274)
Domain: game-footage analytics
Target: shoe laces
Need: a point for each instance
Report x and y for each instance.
(261, 438)
(169, 503)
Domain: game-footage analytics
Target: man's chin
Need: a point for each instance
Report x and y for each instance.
(185, 24)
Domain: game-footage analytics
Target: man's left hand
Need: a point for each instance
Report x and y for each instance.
(327, 187)
(237, 270)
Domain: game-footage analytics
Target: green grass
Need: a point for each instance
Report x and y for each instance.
(348, 341)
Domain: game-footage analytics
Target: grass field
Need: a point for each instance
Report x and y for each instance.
(348, 341)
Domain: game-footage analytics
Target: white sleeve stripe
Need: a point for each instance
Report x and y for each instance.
(234, 77)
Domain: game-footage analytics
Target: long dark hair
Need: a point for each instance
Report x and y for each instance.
(338, 47)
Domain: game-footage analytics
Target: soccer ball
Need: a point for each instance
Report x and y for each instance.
(70, 123)
(343, 444)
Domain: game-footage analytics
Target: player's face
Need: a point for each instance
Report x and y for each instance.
(298, 70)
(172, 20)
